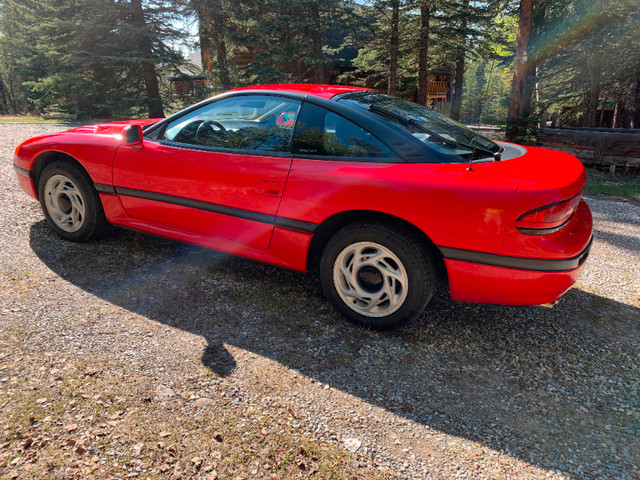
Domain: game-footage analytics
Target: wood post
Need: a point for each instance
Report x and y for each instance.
(544, 119)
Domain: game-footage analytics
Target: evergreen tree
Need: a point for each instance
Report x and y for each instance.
(214, 23)
(19, 58)
(94, 57)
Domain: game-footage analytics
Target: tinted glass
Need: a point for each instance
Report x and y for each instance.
(439, 132)
(321, 132)
(252, 122)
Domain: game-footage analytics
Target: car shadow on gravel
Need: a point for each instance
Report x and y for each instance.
(557, 388)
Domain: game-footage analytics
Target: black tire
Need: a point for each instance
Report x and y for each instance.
(390, 285)
(70, 203)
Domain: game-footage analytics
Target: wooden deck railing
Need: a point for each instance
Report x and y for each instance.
(595, 146)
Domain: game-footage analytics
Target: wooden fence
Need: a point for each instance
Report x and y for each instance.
(595, 146)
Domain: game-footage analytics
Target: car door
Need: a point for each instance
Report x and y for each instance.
(338, 166)
(218, 170)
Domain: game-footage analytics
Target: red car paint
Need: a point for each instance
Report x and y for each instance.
(270, 207)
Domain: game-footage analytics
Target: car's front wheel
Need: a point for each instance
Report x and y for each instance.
(70, 204)
(377, 275)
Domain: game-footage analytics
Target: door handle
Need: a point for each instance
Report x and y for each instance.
(271, 189)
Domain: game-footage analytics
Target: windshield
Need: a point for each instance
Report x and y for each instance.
(439, 132)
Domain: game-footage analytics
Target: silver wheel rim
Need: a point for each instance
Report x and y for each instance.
(370, 279)
(64, 203)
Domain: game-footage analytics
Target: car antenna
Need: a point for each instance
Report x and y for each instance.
(473, 155)
(496, 158)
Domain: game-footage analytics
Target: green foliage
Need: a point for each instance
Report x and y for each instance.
(523, 130)
(487, 89)
(85, 56)
(81, 56)
(585, 48)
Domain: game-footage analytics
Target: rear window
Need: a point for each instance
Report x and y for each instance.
(438, 132)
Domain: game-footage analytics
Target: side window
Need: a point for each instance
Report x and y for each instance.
(251, 122)
(321, 132)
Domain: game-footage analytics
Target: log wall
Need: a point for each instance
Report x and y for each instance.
(596, 146)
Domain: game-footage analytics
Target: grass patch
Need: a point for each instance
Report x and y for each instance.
(38, 119)
(617, 185)
(33, 119)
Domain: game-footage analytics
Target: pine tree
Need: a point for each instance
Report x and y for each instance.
(94, 57)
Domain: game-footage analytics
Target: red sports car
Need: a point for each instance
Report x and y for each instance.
(381, 196)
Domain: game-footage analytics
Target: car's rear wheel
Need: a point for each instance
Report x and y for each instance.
(377, 275)
(70, 203)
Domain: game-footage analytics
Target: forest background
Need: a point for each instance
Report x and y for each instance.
(508, 61)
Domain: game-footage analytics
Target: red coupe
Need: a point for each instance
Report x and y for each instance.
(381, 196)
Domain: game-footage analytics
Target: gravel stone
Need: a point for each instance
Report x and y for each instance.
(204, 402)
(164, 393)
(352, 444)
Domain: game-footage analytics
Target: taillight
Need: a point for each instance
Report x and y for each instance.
(548, 218)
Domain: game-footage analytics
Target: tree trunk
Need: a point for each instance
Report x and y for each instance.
(12, 97)
(520, 70)
(219, 24)
(394, 42)
(211, 30)
(528, 89)
(316, 39)
(618, 114)
(456, 97)
(145, 50)
(204, 34)
(423, 52)
(593, 95)
(636, 106)
(3, 98)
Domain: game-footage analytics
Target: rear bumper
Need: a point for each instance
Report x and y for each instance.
(478, 283)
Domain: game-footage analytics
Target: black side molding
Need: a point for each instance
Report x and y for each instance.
(199, 204)
(296, 224)
(22, 171)
(282, 222)
(533, 264)
(102, 188)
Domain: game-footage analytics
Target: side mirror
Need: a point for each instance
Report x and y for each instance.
(132, 136)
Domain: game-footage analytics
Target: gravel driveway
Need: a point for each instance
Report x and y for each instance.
(157, 343)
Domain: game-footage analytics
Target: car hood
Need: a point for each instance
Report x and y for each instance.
(111, 128)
